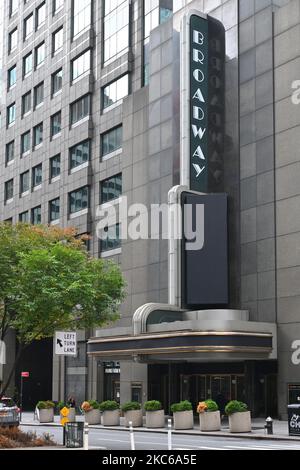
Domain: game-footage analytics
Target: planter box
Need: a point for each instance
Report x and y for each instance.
(136, 416)
(72, 415)
(210, 421)
(46, 416)
(111, 418)
(183, 420)
(240, 422)
(92, 417)
(155, 419)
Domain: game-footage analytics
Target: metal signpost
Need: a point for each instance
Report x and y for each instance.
(24, 375)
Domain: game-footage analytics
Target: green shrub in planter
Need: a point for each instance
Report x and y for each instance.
(153, 405)
(108, 405)
(182, 406)
(45, 405)
(131, 406)
(235, 406)
(94, 404)
(211, 406)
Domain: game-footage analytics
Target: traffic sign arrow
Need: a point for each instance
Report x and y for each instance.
(59, 342)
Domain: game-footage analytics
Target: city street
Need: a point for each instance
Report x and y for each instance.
(120, 440)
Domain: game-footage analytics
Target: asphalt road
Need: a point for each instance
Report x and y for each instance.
(120, 440)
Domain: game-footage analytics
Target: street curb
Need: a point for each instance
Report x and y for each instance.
(184, 433)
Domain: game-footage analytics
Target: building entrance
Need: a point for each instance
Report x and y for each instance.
(221, 388)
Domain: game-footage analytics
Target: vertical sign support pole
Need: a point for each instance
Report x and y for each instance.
(169, 434)
(86, 437)
(132, 443)
(21, 398)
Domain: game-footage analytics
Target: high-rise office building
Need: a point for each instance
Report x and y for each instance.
(93, 108)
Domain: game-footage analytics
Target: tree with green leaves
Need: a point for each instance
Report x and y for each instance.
(48, 282)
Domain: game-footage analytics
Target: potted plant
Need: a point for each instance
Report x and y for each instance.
(45, 411)
(239, 416)
(133, 412)
(110, 413)
(71, 411)
(91, 411)
(183, 415)
(209, 416)
(155, 415)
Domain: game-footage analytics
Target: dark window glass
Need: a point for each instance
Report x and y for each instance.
(26, 103)
(38, 94)
(36, 215)
(27, 64)
(111, 188)
(40, 15)
(80, 109)
(28, 26)
(56, 81)
(25, 142)
(10, 151)
(11, 114)
(54, 166)
(9, 190)
(37, 175)
(38, 135)
(57, 40)
(79, 154)
(56, 124)
(112, 140)
(24, 182)
(79, 200)
(54, 209)
(81, 16)
(12, 76)
(39, 54)
(113, 238)
(12, 40)
(57, 5)
(24, 217)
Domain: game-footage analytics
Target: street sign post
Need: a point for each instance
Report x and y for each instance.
(66, 343)
(24, 375)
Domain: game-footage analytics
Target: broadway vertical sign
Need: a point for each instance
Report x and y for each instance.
(199, 103)
(202, 103)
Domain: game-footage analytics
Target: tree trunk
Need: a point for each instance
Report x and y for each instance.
(8, 381)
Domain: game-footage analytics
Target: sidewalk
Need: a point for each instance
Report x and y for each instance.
(280, 429)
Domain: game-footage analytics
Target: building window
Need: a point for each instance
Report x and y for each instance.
(54, 167)
(13, 7)
(24, 182)
(40, 15)
(79, 200)
(80, 109)
(11, 114)
(12, 40)
(54, 209)
(57, 41)
(79, 154)
(57, 5)
(27, 64)
(38, 135)
(37, 175)
(12, 76)
(39, 54)
(111, 189)
(36, 215)
(10, 152)
(113, 238)
(111, 141)
(56, 124)
(25, 142)
(39, 94)
(28, 26)
(26, 103)
(24, 217)
(81, 16)
(9, 190)
(81, 65)
(115, 91)
(116, 29)
(56, 80)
